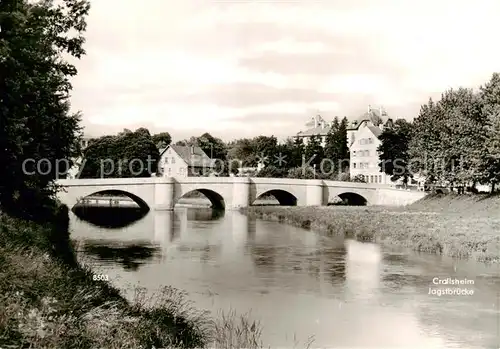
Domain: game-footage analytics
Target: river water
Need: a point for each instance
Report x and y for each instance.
(298, 284)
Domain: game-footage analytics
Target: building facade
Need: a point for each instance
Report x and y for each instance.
(316, 127)
(184, 161)
(363, 141)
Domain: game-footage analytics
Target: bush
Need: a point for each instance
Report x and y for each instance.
(272, 172)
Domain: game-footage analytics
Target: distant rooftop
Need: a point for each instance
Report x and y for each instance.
(192, 155)
(375, 116)
(317, 126)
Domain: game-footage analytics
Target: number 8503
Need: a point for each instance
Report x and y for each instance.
(100, 277)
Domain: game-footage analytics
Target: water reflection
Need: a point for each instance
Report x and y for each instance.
(363, 270)
(110, 217)
(345, 293)
(130, 256)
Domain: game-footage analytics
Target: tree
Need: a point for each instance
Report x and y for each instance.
(314, 152)
(302, 172)
(162, 139)
(425, 143)
(394, 157)
(490, 156)
(36, 126)
(242, 150)
(128, 154)
(272, 171)
(215, 148)
(265, 147)
(448, 138)
(336, 147)
(297, 153)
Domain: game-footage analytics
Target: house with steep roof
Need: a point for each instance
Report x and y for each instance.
(316, 127)
(184, 161)
(363, 141)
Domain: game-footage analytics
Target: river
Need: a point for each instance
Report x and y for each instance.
(298, 284)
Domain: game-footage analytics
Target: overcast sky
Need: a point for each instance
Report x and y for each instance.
(245, 68)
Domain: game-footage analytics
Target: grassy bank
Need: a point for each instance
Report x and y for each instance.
(456, 226)
(48, 301)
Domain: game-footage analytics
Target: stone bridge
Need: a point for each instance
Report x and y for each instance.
(162, 193)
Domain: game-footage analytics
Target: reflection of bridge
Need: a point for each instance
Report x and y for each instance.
(235, 192)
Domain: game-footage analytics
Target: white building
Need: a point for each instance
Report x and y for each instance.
(363, 140)
(184, 161)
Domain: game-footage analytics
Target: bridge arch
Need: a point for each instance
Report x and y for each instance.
(285, 198)
(352, 199)
(116, 192)
(216, 200)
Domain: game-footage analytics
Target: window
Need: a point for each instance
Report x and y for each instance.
(166, 160)
(371, 179)
(375, 178)
(361, 165)
(370, 140)
(353, 165)
(366, 165)
(169, 171)
(173, 160)
(380, 178)
(354, 153)
(367, 153)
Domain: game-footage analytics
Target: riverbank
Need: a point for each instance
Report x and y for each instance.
(457, 226)
(47, 300)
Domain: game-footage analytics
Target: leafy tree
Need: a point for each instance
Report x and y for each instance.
(242, 150)
(35, 119)
(265, 147)
(128, 154)
(215, 148)
(394, 157)
(162, 139)
(272, 171)
(344, 177)
(490, 156)
(285, 152)
(448, 137)
(301, 173)
(425, 142)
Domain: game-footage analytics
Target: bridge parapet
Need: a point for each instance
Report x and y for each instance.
(161, 193)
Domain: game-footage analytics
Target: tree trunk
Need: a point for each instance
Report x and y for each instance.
(492, 187)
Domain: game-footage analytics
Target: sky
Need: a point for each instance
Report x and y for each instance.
(247, 68)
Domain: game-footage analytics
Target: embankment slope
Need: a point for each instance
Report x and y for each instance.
(463, 226)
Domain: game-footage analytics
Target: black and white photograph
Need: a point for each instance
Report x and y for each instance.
(247, 174)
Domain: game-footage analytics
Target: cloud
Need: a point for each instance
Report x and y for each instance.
(233, 68)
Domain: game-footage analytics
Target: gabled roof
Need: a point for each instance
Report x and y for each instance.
(375, 130)
(369, 116)
(314, 131)
(191, 155)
